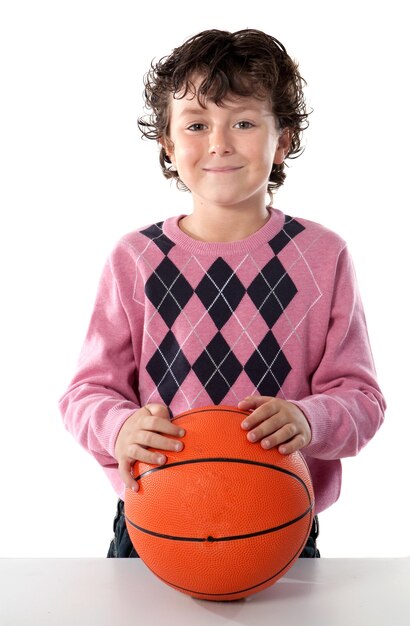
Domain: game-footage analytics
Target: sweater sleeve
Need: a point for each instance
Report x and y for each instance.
(346, 407)
(102, 394)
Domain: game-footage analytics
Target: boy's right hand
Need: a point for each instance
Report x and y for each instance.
(145, 429)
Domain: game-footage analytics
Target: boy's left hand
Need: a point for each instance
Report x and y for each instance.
(275, 422)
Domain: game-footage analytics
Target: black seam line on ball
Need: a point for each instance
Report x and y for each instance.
(162, 468)
(219, 539)
(208, 410)
(232, 593)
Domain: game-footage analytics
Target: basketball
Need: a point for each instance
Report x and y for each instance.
(223, 518)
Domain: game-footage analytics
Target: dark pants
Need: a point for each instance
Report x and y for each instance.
(121, 546)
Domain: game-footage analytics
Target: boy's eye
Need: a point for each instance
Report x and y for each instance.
(196, 127)
(244, 125)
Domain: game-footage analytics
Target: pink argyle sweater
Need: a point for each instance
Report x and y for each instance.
(187, 323)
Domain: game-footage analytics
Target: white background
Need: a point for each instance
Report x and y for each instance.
(76, 176)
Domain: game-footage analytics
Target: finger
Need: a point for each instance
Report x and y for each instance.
(261, 414)
(158, 424)
(160, 410)
(266, 427)
(297, 443)
(125, 471)
(139, 453)
(151, 439)
(285, 435)
(253, 402)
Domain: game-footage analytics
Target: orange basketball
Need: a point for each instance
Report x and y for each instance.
(223, 518)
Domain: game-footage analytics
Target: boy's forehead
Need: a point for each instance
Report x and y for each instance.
(187, 98)
(189, 101)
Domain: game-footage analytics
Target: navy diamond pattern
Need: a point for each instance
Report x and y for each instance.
(156, 234)
(217, 368)
(271, 291)
(168, 291)
(220, 291)
(268, 367)
(290, 229)
(168, 367)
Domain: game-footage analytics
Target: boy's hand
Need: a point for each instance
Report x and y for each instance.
(275, 422)
(146, 428)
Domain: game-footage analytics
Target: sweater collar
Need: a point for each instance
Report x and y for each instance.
(243, 246)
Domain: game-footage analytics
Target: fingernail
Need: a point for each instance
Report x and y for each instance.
(252, 437)
(181, 432)
(178, 446)
(245, 424)
(265, 444)
(161, 459)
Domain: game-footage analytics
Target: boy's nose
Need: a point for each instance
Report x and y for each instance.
(219, 143)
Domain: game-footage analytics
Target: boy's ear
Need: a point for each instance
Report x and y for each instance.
(283, 147)
(168, 147)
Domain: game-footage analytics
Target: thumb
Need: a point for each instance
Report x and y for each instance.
(160, 410)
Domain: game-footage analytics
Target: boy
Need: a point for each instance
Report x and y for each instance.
(234, 304)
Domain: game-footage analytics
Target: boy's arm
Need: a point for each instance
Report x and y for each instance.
(102, 394)
(346, 407)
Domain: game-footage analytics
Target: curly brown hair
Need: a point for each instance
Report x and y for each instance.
(244, 63)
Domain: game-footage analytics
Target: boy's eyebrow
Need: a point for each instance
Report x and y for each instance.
(193, 111)
(235, 109)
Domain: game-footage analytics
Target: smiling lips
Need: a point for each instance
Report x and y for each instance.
(223, 170)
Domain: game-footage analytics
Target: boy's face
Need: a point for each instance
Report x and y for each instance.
(224, 154)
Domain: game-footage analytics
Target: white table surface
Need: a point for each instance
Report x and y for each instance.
(112, 592)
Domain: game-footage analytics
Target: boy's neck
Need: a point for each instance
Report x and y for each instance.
(225, 225)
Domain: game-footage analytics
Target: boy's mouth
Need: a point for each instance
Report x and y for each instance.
(223, 170)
